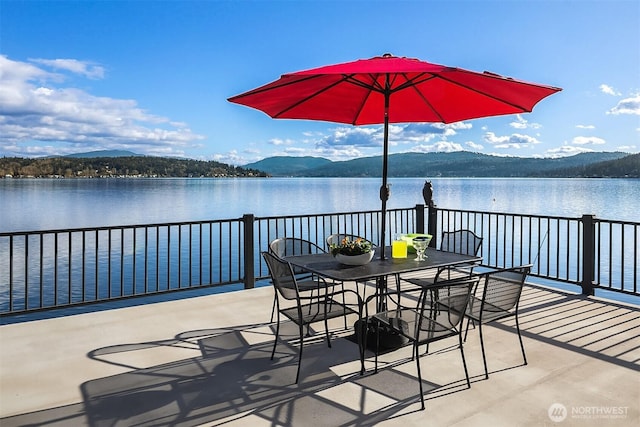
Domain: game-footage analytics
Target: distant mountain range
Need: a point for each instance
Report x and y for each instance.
(457, 164)
(288, 166)
(102, 153)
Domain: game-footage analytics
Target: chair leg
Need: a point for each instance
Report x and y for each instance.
(466, 331)
(326, 329)
(300, 352)
(464, 364)
(484, 358)
(524, 356)
(415, 353)
(360, 328)
(344, 305)
(364, 290)
(273, 308)
(275, 342)
(377, 325)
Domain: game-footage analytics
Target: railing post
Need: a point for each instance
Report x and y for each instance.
(249, 255)
(588, 253)
(420, 219)
(433, 224)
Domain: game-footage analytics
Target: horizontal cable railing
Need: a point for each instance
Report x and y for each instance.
(61, 268)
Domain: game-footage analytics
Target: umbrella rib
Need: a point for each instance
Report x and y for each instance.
(373, 87)
(348, 78)
(487, 94)
(409, 83)
(413, 84)
(284, 84)
(269, 88)
(305, 99)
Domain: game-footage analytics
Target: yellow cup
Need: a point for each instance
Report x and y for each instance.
(399, 249)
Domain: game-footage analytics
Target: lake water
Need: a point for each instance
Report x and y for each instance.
(43, 204)
(47, 204)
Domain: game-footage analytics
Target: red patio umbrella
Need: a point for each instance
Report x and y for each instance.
(389, 89)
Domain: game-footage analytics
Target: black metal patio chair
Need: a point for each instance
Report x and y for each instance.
(307, 309)
(430, 320)
(500, 292)
(464, 242)
(287, 246)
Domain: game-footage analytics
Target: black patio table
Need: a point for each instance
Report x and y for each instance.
(327, 266)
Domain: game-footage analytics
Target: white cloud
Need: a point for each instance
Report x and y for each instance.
(230, 158)
(83, 68)
(627, 148)
(37, 115)
(278, 141)
(521, 123)
(585, 126)
(587, 140)
(440, 146)
(515, 140)
(606, 89)
(338, 153)
(412, 134)
(566, 150)
(627, 106)
(348, 142)
(474, 146)
(361, 136)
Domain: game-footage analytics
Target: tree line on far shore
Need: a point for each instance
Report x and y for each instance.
(105, 167)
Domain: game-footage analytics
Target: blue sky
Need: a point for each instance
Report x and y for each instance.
(153, 77)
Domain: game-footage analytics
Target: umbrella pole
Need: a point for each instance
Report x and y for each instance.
(384, 188)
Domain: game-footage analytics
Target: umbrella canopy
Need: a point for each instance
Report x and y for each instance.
(390, 89)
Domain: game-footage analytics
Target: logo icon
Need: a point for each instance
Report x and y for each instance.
(557, 412)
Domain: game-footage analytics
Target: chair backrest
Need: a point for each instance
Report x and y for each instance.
(502, 289)
(337, 238)
(287, 246)
(282, 276)
(464, 242)
(448, 309)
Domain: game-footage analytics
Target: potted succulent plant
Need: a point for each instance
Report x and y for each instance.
(353, 252)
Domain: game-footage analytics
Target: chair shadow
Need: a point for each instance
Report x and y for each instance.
(603, 330)
(233, 380)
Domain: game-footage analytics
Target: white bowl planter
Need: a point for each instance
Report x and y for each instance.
(355, 259)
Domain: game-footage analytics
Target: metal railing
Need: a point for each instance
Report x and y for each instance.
(56, 268)
(590, 252)
(61, 268)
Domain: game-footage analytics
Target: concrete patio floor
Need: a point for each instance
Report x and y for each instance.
(206, 361)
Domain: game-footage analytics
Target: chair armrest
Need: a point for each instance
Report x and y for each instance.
(483, 269)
